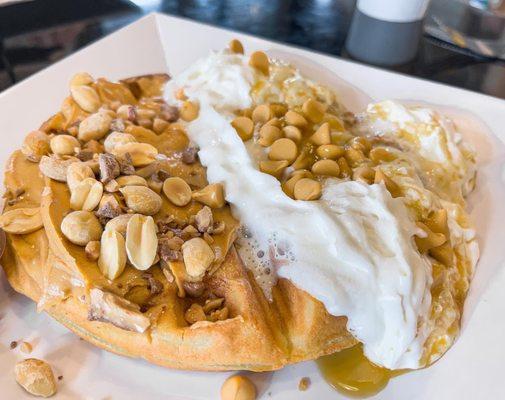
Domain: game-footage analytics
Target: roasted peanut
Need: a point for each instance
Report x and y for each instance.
(197, 256)
(96, 126)
(141, 153)
(77, 172)
(141, 241)
(119, 223)
(141, 199)
(177, 191)
(80, 79)
(36, 377)
(86, 195)
(86, 98)
(35, 145)
(131, 180)
(64, 145)
(92, 250)
(116, 139)
(112, 260)
(56, 168)
(81, 227)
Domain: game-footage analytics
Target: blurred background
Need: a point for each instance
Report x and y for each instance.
(457, 42)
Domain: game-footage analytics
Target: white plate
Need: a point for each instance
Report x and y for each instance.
(472, 369)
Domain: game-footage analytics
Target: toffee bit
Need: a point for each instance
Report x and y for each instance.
(169, 113)
(260, 254)
(168, 249)
(117, 125)
(13, 345)
(154, 285)
(194, 289)
(109, 167)
(126, 164)
(60, 377)
(162, 175)
(304, 384)
(189, 155)
(85, 155)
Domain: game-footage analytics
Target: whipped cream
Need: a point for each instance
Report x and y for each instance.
(353, 249)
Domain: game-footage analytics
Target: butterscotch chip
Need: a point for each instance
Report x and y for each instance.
(283, 149)
(364, 174)
(35, 145)
(293, 133)
(326, 167)
(64, 145)
(322, 135)
(177, 191)
(295, 119)
(236, 46)
(361, 143)
(198, 256)
(238, 387)
(354, 157)
(268, 135)
(81, 227)
(380, 154)
(141, 199)
(259, 60)
(112, 259)
(141, 241)
(274, 168)
(391, 185)
(307, 189)
(244, 127)
(189, 111)
(36, 377)
(262, 114)
(345, 170)
(274, 121)
(26, 347)
(211, 195)
(21, 221)
(279, 109)
(304, 160)
(314, 110)
(331, 151)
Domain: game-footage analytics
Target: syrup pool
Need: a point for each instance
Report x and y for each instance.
(353, 375)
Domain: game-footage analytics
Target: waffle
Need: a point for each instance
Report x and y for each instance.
(256, 334)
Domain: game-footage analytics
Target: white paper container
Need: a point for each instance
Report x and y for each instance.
(472, 369)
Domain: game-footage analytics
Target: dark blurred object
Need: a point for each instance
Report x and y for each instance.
(475, 25)
(386, 32)
(35, 34)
